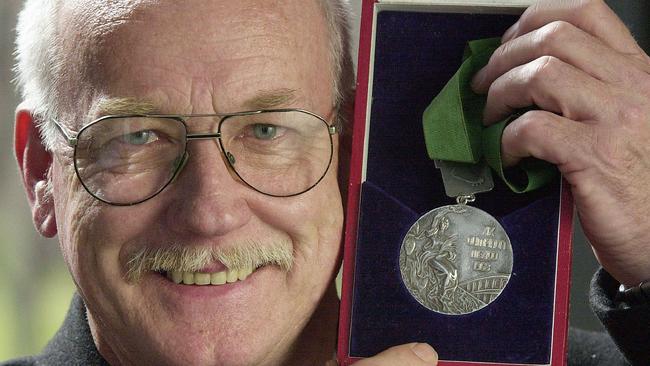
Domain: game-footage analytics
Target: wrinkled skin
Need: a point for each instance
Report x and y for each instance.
(574, 59)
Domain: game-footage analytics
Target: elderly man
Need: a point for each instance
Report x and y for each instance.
(185, 153)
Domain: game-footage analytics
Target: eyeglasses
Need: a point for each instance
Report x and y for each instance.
(127, 159)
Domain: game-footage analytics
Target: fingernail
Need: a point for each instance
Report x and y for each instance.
(478, 80)
(510, 33)
(425, 352)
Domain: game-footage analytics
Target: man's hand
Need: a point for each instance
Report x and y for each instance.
(411, 354)
(580, 65)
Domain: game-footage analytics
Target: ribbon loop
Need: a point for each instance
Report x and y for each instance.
(454, 131)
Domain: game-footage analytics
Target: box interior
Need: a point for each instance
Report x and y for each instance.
(415, 55)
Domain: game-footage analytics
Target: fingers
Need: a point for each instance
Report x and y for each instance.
(592, 16)
(567, 57)
(412, 354)
(565, 42)
(549, 137)
(551, 85)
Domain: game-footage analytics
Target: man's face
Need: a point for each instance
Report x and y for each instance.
(207, 57)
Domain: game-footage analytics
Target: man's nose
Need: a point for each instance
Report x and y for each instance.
(206, 200)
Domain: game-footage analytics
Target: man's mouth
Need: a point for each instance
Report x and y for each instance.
(204, 279)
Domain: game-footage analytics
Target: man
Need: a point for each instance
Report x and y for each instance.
(133, 151)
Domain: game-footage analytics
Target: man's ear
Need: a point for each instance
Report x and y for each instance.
(35, 162)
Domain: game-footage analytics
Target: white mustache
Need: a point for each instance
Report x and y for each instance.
(182, 258)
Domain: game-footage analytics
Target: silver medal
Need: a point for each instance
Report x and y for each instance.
(456, 259)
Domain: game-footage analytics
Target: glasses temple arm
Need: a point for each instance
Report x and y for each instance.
(72, 139)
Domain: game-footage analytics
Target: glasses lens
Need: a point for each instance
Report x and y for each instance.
(278, 153)
(124, 160)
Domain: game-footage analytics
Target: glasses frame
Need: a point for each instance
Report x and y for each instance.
(72, 139)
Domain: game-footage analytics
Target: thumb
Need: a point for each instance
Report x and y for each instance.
(411, 354)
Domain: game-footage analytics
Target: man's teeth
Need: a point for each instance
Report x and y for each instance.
(217, 278)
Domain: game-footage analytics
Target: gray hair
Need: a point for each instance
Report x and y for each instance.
(42, 72)
(38, 61)
(338, 14)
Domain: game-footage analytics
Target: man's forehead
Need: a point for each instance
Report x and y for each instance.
(262, 99)
(101, 16)
(90, 28)
(94, 29)
(122, 42)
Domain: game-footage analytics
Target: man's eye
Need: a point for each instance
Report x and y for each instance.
(139, 137)
(264, 131)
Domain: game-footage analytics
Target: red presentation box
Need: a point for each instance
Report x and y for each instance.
(408, 51)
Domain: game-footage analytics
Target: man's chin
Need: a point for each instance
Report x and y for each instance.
(222, 324)
(201, 350)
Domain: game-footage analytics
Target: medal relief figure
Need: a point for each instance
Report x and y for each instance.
(431, 256)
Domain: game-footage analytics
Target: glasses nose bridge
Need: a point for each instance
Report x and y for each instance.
(199, 136)
(227, 157)
(204, 136)
(208, 122)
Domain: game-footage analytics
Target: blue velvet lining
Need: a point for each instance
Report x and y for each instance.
(415, 54)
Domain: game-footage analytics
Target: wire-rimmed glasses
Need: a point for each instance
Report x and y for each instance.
(127, 159)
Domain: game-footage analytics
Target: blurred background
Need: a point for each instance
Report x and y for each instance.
(37, 289)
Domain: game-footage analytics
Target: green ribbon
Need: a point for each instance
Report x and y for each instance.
(453, 128)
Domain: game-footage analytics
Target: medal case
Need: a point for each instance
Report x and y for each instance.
(408, 51)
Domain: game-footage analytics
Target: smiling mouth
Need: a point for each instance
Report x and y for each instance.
(205, 279)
